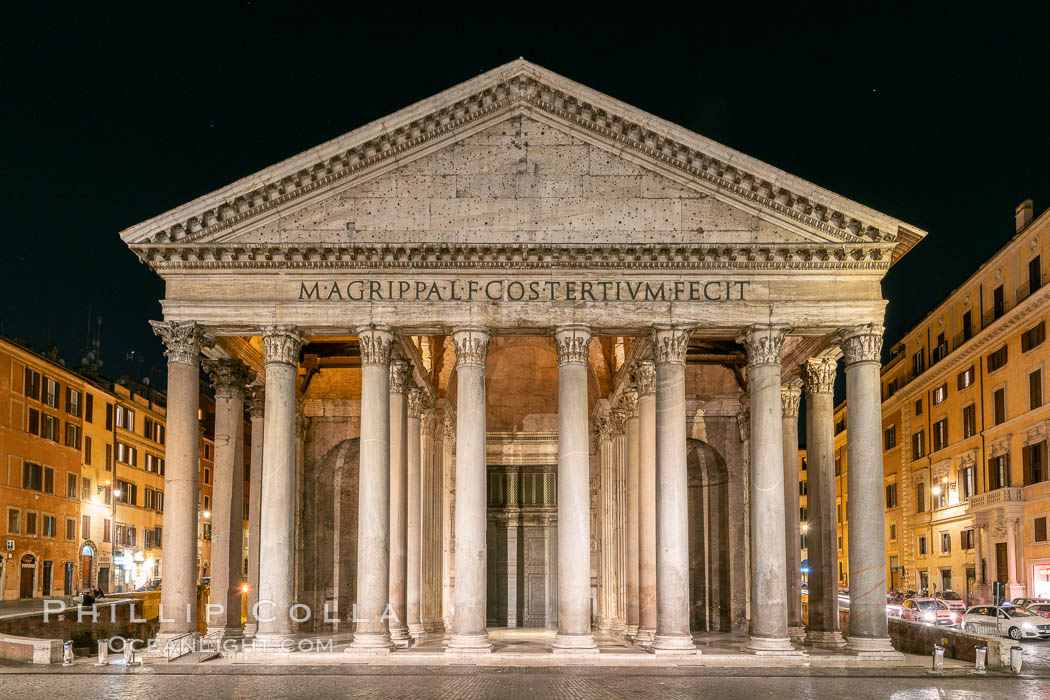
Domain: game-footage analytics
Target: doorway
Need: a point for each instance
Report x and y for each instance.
(27, 582)
(103, 579)
(1001, 567)
(48, 574)
(87, 558)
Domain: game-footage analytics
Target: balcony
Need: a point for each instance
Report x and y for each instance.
(998, 497)
(1031, 287)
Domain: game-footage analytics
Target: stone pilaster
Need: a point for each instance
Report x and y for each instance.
(818, 374)
(281, 346)
(670, 344)
(183, 343)
(400, 374)
(471, 514)
(790, 397)
(608, 578)
(645, 454)
(373, 516)
(230, 378)
(865, 507)
(574, 517)
(256, 412)
(769, 615)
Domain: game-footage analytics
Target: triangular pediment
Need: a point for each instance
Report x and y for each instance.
(522, 155)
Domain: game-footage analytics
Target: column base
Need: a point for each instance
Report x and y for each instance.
(370, 643)
(872, 648)
(251, 629)
(644, 637)
(574, 644)
(399, 636)
(672, 645)
(417, 631)
(469, 644)
(797, 634)
(825, 640)
(618, 627)
(630, 631)
(606, 625)
(771, 646)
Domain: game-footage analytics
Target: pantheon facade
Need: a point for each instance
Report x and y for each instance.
(522, 355)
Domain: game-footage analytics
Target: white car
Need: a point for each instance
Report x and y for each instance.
(1010, 620)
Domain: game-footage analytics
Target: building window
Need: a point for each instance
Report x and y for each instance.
(71, 529)
(49, 428)
(1035, 389)
(89, 408)
(999, 472)
(71, 486)
(920, 497)
(918, 363)
(946, 542)
(87, 450)
(72, 402)
(207, 532)
(1033, 337)
(967, 325)
(966, 481)
(941, 350)
(997, 359)
(109, 457)
(72, 435)
(207, 451)
(922, 544)
(965, 378)
(30, 522)
(107, 526)
(891, 388)
(918, 445)
(802, 488)
(940, 434)
(891, 495)
(1039, 529)
(918, 407)
(802, 514)
(999, 406)
(85, 488)
(109, 416)
(802, 541)
(51, 392)
(998, 302)
(127, 493)
(966, 539)
(49, 526)
(32, 384)
(85, 527)
(889, 437)
(207, 475)
(125, 418)
(1033, 461)
(32, 476)
(969, 421)
(940, 394)
(893, 532)
(14, 517)
(127, 454)
(33, 422)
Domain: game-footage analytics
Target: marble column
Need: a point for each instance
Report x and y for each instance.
(769, 616)
(790, 397)
(978, 568)
(400, 373)
(673, 637)
(447, 427)
(609, 574)
(645, 376)
(631, 545)
(574, 501)
(183, 343)
(256, 410)
(818, 374)
(471, 518)
(373, 508)
(432, 527)
(416, 407)
(1014, 589)
(281, 345)
(865, 507)
(230, 378)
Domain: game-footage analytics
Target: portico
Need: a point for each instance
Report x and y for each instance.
(522, 312)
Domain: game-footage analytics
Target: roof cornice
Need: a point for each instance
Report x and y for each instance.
(519, 86)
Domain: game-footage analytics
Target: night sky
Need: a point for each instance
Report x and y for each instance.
(941, 124)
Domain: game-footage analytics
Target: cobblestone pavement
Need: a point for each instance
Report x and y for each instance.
(505, 683)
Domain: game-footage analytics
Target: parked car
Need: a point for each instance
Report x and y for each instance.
(1029, 602)
(1011, 620)
(953, 601)
(929, 610)
(1040, 609)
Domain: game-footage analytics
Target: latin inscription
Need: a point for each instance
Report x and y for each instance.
(524, 291)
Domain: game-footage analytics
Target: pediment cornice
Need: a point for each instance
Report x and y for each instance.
(522, 87)
(461, 256)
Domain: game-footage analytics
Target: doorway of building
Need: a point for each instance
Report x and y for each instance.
(28, 577)
(48, 574)
(103, 578)
(87, 560)
(1002, 572)
(67, 578)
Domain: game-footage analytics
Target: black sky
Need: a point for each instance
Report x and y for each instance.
(939, 118)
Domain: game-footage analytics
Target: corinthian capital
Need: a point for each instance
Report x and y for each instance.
(604, 427)
(375, 343)
(629, 402)
(400, 372)
(670, 344)
(281, 344)
(183, 340)
(256, 402)
(472, 345)
(619, 421)
(645, 377)
(417, 403)
(573, 343)
(230, 377)
(818, 374)
(763, 342)
(863, 343)
(790, 396)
